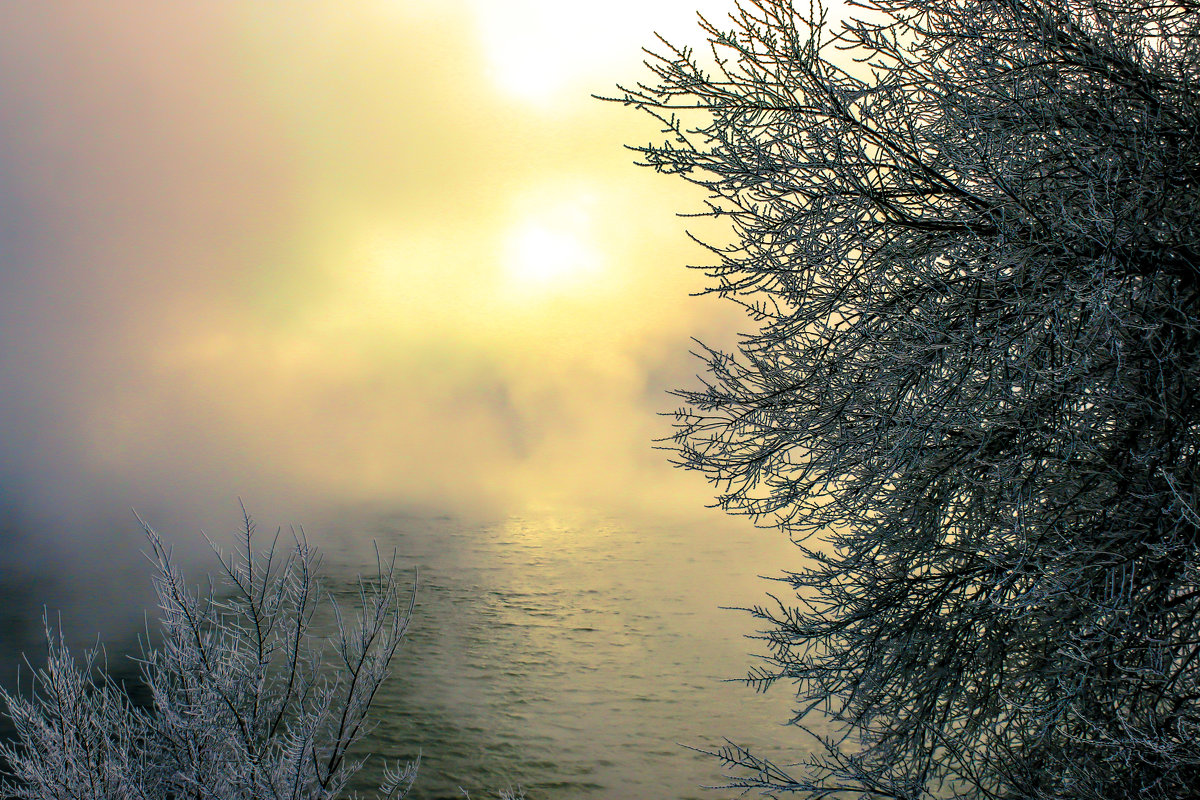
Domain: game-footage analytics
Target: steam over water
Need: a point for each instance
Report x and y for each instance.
(570, 655)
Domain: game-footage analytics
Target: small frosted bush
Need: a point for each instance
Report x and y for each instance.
(249, 701)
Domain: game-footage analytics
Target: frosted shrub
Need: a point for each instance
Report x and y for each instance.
(248, 699)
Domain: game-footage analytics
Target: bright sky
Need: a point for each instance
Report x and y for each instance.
(540, 51)
(325, 252)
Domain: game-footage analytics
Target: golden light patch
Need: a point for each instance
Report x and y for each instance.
(540, 256)
(546, 51)
(550, 246)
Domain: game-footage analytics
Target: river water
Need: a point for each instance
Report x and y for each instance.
(570, 654)
(575, 655)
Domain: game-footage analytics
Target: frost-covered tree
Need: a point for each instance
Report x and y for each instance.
(968, 235)
(251, 699)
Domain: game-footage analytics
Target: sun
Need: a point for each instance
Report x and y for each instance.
(539, 254)
(544, 52)
(547, 254)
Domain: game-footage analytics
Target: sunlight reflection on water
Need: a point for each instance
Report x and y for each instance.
(573, 656)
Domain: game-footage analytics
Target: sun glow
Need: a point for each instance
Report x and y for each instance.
(550, 247)
(540, 255)
(545, 51)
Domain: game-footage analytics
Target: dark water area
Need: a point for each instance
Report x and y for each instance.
(571, 655)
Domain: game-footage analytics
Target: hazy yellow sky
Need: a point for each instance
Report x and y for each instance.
(337, 251)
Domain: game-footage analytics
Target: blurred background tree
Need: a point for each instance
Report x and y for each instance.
(967, 233)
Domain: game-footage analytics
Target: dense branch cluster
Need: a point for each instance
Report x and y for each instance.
(968, 232)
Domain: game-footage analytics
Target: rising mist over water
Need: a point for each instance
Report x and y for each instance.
(569, 652)
(338, 260)
(325, 255)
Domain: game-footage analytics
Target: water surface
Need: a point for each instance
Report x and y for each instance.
(570, 654)
(574, 655)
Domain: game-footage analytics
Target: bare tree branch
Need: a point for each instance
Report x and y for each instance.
(968, 235)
